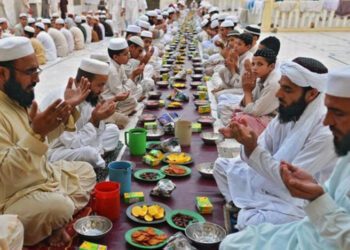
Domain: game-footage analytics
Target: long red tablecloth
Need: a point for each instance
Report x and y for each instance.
(187, 188)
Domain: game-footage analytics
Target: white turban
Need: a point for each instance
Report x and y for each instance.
(338, 83)
(303, 77)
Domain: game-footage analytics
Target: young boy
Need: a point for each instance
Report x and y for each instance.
(260, 84)
(231, 74)
(118, 51)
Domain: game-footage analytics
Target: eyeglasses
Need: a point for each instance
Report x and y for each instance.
(30, 72)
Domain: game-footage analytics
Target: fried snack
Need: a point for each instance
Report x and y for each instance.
(148, 237)
(175, 170)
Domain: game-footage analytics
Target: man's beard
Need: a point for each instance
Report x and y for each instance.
(14, 91)
(342, 146)
(293, 111)
(92, 99)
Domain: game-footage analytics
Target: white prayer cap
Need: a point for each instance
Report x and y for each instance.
(12, 48)
(159, 17)
(214, 17)
(144, 25)
(165, 13)
(213, 9)
(204, 22)
(302, 76)
(222, 16)
(133, 28)
(137, 40)
(39, 19)
(55, 15)
(214, 24)
(338, 83)
(40, 25)
(171, 10)
(59, 21)
(182, 2)
(227, 24)
(144, 18)
(146, 33)
(158, 11)
(29, 29)
(94, 66)
(103, 12)
(3, 20)
(117, 44)
(23, 15)
(88, 16)
(101, 57)
(253, 29)
(31, 20)
(151, 13)
(83, 18)
(232, 18)
(206, 16)
(46, 21)
(103, 16)
(77, 19)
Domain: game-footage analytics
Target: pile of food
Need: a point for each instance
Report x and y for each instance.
(175, 170)
(148, 213)
(149, 176)
(148, 237)
(182, 220)
(178, 158)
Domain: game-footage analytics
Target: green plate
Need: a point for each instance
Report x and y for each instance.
(188, 171)
(149, 203)
(196, 217)
(138, 174)
(128, 238)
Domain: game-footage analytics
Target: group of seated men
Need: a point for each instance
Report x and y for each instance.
(291, 118)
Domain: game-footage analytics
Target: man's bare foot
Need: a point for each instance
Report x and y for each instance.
(59, 238)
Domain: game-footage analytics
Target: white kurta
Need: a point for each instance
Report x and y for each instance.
(131, 10)
(118, 82)
(88, 30)
(129, 68)
(255, 185)
(103, 30)
(49, 45)
(87, 143)
(327, 225)
(78, 38)
(69, 38)
(60, 42)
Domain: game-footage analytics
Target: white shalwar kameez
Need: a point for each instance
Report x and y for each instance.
(132, 8)
(49, 45)
(254, 184)
(117, 83)
(326, 226)
(69, 38)
(87, 143)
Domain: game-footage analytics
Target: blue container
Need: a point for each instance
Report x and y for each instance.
(120, 171)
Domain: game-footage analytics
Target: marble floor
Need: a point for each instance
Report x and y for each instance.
(331, 48)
